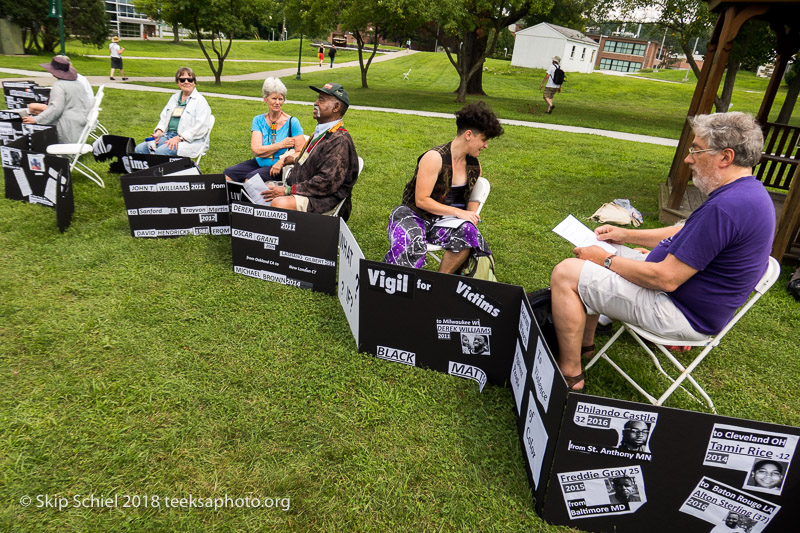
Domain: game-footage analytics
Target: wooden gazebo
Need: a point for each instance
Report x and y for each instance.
(779, 168)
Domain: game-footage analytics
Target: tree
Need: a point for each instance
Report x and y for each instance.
(368, 19)
(755, 45)
(686, 19)
(221, 20)
(568, 13)
(84, 19)
(469, 30)
(163, 10)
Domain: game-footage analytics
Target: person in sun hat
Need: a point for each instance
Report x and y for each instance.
(551, 87)
(116, 58)
(326, 168)
(69, 103)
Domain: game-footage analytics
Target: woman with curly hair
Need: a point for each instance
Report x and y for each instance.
(436, 207)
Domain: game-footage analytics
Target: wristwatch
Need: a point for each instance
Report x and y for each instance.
(607, 261)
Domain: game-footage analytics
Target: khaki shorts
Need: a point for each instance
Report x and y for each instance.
(302, 202)
(549, 92)
(605, 292)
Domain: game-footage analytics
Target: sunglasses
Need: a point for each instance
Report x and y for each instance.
(184, 80)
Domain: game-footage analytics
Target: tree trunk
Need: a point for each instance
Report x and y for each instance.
(176, 32)
(473, 54)
(791, 99)
(364, 68)
(722, 104)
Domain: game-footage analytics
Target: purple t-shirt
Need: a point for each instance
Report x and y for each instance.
(728, 240)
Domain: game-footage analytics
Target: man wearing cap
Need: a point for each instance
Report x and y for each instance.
(327, 167)
(69, 102)
(551, 88)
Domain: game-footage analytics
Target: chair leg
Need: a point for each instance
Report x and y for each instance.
(89, 173)
(603, 354)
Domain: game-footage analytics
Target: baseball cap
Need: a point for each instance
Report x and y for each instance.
(333, 89)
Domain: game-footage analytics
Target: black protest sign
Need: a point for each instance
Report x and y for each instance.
(288, 247)
(18, 94)
(11, 130)
(619, 465)
(113, 147)
(38, 178)
(171, 206)
(176, 166)
(453, 324)
(40, 136)
(133, 162)
(540, 395)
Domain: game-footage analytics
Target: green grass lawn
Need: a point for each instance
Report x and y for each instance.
(134, 366)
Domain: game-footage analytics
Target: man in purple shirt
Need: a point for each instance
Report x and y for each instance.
(691, 283)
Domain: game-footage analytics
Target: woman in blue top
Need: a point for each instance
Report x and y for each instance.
(274, 136)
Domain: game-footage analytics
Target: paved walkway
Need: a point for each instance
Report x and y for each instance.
(45, 79)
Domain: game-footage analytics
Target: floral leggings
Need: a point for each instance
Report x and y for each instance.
(409, 235)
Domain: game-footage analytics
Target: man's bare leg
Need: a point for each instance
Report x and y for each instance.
(569, 317)
(453, 260)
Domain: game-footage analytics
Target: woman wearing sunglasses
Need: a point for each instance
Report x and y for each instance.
(184, 122)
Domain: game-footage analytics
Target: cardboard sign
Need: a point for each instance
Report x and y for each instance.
(350, 256)
(288, 247)
(38, 178)
(453, 324)
(623, 464)
(114, 148)
(171, 206)
(134, 162)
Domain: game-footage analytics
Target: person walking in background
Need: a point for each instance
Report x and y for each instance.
(116, 58)
(321, 54)
(332, 53)
(554, 78)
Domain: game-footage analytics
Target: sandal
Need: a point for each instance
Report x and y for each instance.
(572, 380)
(550, 109)
(587, 351)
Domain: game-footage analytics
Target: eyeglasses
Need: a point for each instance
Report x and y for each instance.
(637, 431)
(184, 80)
(693, 151)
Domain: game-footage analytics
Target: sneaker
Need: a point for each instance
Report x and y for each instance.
(123, 79)
(112, 79)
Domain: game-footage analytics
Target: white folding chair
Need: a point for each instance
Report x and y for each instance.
(767, 280)
(76, 150)
(98, 99)
(405, 74)
(206, 141)
(480, 192)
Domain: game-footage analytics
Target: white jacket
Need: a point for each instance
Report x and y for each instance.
(194, 125)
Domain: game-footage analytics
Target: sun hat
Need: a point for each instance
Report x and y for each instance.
(115, 39)
(60, 67)
(333, 89)
(557, 59)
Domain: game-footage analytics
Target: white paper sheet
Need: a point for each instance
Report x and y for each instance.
(578, 234)
(22, 182)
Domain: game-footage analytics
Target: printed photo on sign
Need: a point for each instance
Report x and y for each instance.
(11, 157)
(603, 492)
(729, 509)
(36, 162)
(475, 344)
(631, 430)
(534, 440)
(517, 378)
(762, 456)
(543, 374)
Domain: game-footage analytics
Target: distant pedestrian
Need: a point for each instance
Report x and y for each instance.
(332, 53)
(554, 78)
(116, 58)
(321, 54)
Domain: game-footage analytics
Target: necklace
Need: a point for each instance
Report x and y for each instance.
(274, 128)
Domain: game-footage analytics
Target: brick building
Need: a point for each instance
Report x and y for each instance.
(625, 53)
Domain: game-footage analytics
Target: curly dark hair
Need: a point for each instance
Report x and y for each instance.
(479, 118)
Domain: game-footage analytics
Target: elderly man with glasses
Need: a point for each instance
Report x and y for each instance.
(696, 276)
